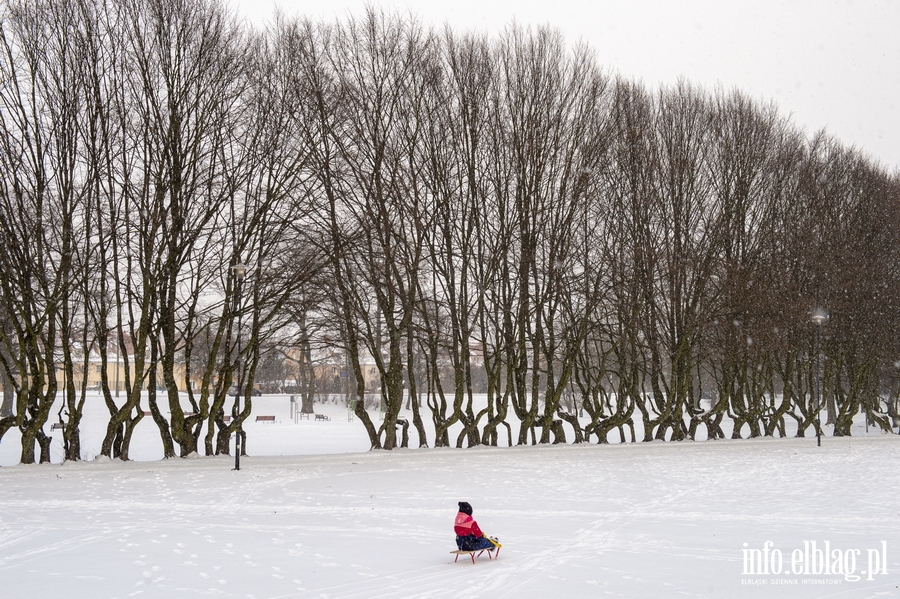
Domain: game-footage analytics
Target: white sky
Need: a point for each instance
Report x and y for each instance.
(832, 64)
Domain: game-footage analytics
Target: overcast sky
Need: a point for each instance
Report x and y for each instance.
(832, 64)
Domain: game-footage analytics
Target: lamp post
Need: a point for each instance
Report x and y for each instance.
(239, 271)
(818, 317)
(897, 403)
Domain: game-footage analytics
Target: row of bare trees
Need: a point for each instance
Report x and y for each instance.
(145, 151)
(450, 207)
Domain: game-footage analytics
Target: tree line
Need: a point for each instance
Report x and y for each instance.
(449, 206)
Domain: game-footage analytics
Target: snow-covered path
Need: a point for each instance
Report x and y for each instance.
(635, 520)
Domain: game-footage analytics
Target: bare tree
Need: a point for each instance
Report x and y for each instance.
(43, 213)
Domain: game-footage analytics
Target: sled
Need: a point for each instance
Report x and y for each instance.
(477, 552)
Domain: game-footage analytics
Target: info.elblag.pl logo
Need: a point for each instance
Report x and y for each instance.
(813, 561)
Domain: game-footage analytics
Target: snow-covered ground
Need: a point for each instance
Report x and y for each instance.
(634, 520)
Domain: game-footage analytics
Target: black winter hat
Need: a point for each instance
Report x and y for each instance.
(465, 508)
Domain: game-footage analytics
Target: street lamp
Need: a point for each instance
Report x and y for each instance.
(897, 402)
(818, 317)
(239, 271)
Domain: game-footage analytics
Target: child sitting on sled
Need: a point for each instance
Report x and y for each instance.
(468, 536)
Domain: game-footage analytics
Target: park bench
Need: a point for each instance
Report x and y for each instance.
(322, 417)
(265, 419)
(57, 425)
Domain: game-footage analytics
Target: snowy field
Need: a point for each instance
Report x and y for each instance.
(638, 520)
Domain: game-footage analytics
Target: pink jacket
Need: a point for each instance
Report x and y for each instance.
(465, 525)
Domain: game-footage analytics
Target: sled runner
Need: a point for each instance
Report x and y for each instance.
(472, 554)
